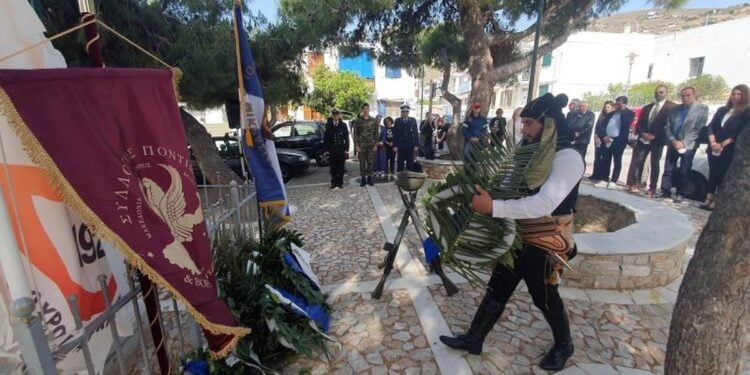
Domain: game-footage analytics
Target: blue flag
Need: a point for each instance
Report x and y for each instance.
(258, 147)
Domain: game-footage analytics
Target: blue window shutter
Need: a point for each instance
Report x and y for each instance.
(392, 72)
(360, 65)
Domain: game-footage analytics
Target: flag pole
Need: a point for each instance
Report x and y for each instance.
(150, 299)
(93, 42)
(241, 135)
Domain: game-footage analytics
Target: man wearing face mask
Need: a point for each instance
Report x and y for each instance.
(550, 207)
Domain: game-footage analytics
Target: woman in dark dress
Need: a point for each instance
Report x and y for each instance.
(386, 136)
(599, 169)
(427, 131)
(723, 130)
(442, 131)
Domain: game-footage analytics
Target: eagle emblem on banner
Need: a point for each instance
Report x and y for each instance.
(170, 206)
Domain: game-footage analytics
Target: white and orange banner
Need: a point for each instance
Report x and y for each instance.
(59, 254)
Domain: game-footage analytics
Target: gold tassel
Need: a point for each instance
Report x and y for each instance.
(176, 77)
(70, 196)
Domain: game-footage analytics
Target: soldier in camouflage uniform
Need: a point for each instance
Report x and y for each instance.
(366, 139)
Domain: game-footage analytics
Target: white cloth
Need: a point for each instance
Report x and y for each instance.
(567, 170)
(613, 126)
(655, 111)
(726, 117)
(21, 28)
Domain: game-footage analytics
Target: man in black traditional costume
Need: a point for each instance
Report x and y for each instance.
(545, 217)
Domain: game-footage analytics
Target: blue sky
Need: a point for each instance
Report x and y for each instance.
(269, 7)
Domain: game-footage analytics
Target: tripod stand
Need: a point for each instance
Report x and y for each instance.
(409, 198)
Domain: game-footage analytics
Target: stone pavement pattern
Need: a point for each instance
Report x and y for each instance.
(614, 332)
(341, 231)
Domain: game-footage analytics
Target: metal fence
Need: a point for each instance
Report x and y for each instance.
(226, 207)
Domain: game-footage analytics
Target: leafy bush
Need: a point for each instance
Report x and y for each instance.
(243, 267)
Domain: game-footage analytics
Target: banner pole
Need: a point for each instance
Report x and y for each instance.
(151, 301)
(242, 137)
(93, 41)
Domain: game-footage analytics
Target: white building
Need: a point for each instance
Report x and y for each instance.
(720, 49)
(590, 61)
(393, 86)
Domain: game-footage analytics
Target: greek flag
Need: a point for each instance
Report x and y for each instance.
(258, 147)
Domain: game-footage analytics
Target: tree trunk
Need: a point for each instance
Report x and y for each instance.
(454, 138)
(274, 115)
(711, 317)
(205, 152)
(473, 19)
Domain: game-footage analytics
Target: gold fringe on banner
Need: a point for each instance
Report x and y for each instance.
(40, 157)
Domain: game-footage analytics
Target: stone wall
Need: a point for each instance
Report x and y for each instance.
(438, 169)
(595, 215)
(625, 271)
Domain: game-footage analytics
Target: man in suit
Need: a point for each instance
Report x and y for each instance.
(651, 130)
(614, 135)
(684, 124)
(582, 124)
(405, 139)
(573, 108)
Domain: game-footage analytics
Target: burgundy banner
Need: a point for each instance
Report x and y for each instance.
(112, 142)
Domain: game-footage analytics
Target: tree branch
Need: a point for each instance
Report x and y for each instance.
(514, 37)
(501, 72)
(447, 95)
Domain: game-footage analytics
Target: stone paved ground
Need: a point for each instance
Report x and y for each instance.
(341, 231)
(623, 332)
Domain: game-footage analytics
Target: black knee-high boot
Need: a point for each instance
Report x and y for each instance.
(563, 348)
(487, 314)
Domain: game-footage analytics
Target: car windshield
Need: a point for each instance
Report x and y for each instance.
(303, 129)
(283, 131)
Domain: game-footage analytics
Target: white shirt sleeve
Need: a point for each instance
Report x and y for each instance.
(567, 170)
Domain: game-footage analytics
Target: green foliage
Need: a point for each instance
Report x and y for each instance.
(342, 90)
(442, 45)
(669, 4)
(470, 242)
(710, 89)
(639, 94)
(596, 100)
(243, 266)
(194, 35)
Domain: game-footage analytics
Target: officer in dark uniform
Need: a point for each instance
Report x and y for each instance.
(336, 146)
(405, 139)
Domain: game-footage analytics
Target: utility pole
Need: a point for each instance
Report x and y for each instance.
(535, 51)
(421, 94)
(432, 95)
(631, 59)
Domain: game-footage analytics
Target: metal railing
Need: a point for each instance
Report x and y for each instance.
(226, 207)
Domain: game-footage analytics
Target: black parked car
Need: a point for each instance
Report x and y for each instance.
(306, 136)
(291, 162)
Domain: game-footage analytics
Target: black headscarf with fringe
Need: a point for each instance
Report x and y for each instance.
(550, 106)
